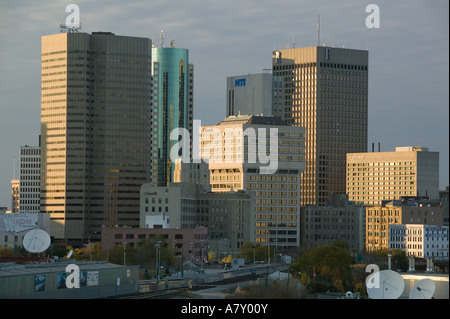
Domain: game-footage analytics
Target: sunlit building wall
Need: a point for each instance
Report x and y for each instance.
(422, 241)
(235, 163)
(379, 218)
(376, 176)
(15, 195)
(95, 131)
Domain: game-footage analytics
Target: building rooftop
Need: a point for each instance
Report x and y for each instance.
(8, 269)
(253, 119)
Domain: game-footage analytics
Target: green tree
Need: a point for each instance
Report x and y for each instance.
(328, 263)
(339, 285)
(246, 250)
(6, 252)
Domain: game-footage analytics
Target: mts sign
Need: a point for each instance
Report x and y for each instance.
(239, 82)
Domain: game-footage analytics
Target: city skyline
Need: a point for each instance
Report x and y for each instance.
(408, 59)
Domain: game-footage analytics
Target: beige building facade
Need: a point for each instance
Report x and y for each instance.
(326, 92)
(264, 155)
(15, 195)
(378, 176)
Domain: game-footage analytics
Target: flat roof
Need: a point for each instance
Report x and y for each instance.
(8, 269)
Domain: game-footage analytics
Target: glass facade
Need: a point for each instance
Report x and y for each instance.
(172, 107)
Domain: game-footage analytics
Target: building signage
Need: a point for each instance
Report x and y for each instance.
(356, 157)
(17, 223)
(92, 278)
(240, 82)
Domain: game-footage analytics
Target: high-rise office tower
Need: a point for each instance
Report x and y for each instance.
(30, 179)
(172, 106)
(95, 131)
(326, 91)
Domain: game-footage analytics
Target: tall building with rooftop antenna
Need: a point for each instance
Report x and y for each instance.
(326, 91)
(173, 82)
(95, 131)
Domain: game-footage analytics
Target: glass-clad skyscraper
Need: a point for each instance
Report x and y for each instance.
(172, 106)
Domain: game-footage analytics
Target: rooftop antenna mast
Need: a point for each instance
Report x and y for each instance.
(318, 31)
(161, 39)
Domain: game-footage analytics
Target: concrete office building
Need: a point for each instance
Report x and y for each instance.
(326, 91)
(378, 176)
(95, 131)
(192, 172)
(421, 241)
(254, 94)
(237, 161)
(177, 201)
(30, 179)
(341, 220)
(227, 216)
(173, 100)
(379, 218)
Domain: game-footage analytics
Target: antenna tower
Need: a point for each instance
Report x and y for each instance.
(318, 31)
(161, 39)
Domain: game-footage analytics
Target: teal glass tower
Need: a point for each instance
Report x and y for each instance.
(172, 106)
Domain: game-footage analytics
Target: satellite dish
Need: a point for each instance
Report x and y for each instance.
(424, 289)
(386, 284)
(36, 241)
(69, 254)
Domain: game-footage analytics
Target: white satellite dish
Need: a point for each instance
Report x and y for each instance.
(424, 289)
(36, 241)
(69, 254)
(386, 284)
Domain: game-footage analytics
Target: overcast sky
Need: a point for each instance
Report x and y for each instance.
(408, 58)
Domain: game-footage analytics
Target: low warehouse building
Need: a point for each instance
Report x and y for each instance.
(66, 279)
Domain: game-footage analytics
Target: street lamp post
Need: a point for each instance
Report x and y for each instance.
(89, 244)
(158, 256)
(124, 251)
(201, 252)
(254, 248)
(191, 254)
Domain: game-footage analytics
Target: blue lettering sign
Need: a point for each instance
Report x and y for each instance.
(239, 82)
